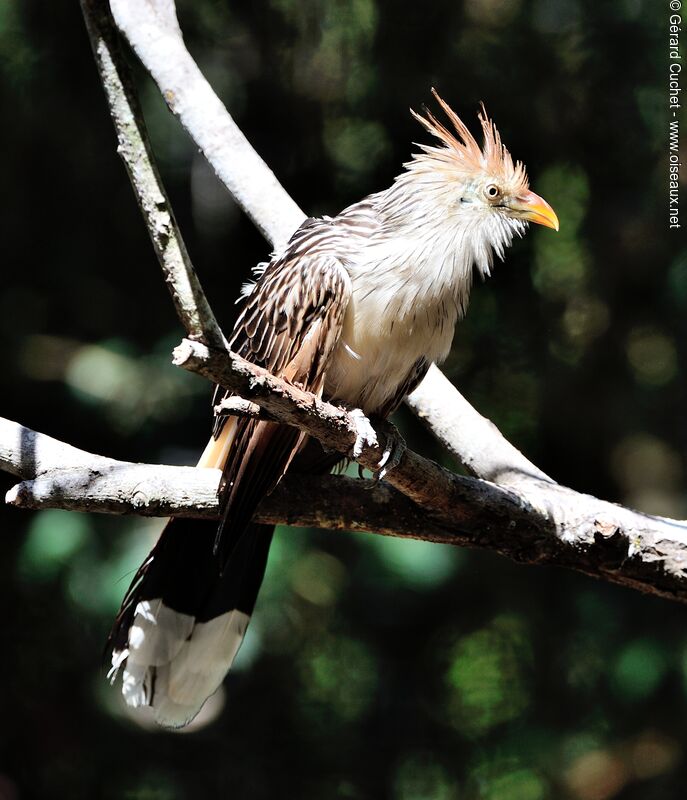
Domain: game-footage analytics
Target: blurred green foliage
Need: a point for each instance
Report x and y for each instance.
(486, 678)
(373, 668)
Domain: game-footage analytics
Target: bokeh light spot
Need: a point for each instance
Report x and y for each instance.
(51, 542)
(418, 564)
(339, 678)
(318, 577)
(420, 776)
(639, 669)
(652, 356)
(487, 677)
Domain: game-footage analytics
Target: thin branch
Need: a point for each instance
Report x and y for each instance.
(332, 425)
(153, 31)
(238, 407)
(436, 489)
(556, 526)
(133, 146)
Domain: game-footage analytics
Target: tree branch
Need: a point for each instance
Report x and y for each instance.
(57, 475)
(436, 489)
(152, 29)
(552, 525)
(473, 439)
(189, 299)
(527, 521)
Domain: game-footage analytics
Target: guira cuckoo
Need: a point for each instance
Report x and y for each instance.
(354, 308)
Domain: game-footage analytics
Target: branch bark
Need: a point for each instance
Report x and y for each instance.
(440, 492)
(473, 439)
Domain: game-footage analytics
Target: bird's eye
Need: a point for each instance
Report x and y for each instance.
(492, 191)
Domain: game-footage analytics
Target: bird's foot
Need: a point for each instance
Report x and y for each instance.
(392, 453)
(365, 435)
(392, 448)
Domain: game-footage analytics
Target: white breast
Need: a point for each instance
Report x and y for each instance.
(404, 307)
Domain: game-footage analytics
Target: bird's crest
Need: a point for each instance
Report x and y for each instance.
(462, 151)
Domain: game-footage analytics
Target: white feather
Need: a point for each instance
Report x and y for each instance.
(198, 670)
(135, 685)
(174, 663)
(204, 659)
(157, 633)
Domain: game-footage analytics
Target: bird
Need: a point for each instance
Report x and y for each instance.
(354, 308)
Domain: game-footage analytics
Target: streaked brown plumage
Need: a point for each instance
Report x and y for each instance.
(355, 309)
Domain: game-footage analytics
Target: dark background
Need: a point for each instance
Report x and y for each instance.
(374, 668)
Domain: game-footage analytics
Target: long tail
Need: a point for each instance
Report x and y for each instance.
(184, 617)
(182, 621)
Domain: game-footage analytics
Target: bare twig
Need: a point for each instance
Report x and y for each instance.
(189, 299)
(238, 407)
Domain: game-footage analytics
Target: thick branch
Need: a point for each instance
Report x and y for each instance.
(533, 501)
(552, 525)
(57, 475)
(189, 299)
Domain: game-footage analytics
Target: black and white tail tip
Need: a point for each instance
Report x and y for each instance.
(172, 662)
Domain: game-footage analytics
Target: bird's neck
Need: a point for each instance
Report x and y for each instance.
(425, 249)
(422, 208)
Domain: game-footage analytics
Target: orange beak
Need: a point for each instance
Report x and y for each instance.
(533, 208)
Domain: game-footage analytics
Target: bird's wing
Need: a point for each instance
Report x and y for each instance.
(289, 324)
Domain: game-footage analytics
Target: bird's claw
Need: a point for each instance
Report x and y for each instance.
(366, 436)
(394, 447)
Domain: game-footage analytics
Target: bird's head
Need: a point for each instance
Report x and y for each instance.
(477, 190)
